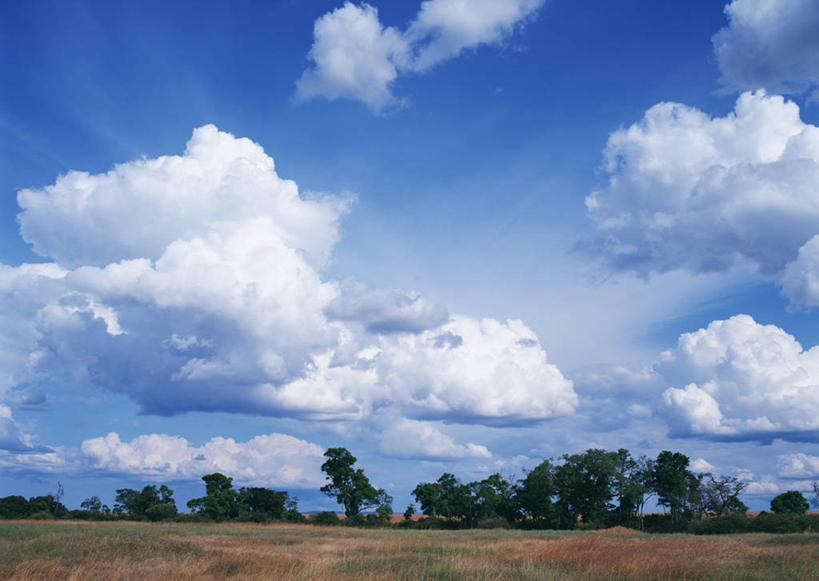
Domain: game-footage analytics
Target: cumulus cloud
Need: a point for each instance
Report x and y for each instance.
(386, 310)
(417, 439)
(702, 465)
(742, 381)
(355, 57)
(225, 307)
(687, 191)
(139, 208)
(772, 44)
(798, 465)
(268, 460)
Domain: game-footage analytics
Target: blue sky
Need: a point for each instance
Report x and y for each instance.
(457, 235)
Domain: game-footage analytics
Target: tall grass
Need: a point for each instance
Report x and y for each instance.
(145, 551)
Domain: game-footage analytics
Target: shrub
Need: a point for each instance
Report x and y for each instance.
(720, 525)
(158, 512)
(325, 518)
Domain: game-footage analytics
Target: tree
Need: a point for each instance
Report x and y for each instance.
(815, 500)
(14, 507)
(439, 498)
(151, 502)
(722, 494)
(670, 480)
(410, 510)
(46, 506)
(534, 495)
(92, 504)
(584, 486)
(221, 501)
(349, 485)
(263, 503)
(790, 502)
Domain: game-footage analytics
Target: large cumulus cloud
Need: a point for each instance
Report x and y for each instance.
(772, 44)
(688, 191)
(354, 56)
(740, 380)
(194, 282)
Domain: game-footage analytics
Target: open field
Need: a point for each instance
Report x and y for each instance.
(74, 550)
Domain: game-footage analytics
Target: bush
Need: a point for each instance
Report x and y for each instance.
(325, 518)
(768, 522)
(494, 523)
(720, 525)
(158, 512)
(662, 523)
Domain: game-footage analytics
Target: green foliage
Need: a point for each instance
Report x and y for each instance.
(349, 485)
(534, 496)
(409, 511)
(46, 505)
(221, 501)
(585, 486)
(138, 504)
(14, 507)
(791, 502)
(671, 480)
(325, 518)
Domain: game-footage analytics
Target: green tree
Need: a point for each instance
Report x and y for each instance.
(722, 494)
(790, 502)
(221, 501)
(349, 485)
(95, 505)
(535, 493)
(440, 498)
(263, 503)
(140, 504)
(671, 481)
(585, 486)
(14, 507)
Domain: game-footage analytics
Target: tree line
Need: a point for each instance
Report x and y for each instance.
(592, 489)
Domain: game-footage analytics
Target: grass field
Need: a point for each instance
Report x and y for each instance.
(72, 550)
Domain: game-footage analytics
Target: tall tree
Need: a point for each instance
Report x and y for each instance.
(221, 501)
(535, 494)
(585, 486)
(670, 480)
(349, 485)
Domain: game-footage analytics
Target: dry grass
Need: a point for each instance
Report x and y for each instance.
(64, 550)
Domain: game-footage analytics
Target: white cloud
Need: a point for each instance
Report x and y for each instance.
(798, 465)
(139, 208)
(687, 191)
(386, 310)
(416, 439)
(800, 281)
(225, 309)
(771, 44)
(444, 28)
(702, 465)
(355, 57)
(745, 381)
(267, 460)
(476, 369)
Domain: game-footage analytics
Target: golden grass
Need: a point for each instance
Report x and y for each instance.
(71, 550)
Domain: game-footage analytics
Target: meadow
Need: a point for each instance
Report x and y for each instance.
(145, 551)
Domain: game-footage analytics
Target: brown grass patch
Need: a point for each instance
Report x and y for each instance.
(144, 551)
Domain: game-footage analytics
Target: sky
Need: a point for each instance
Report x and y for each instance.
(448, 235)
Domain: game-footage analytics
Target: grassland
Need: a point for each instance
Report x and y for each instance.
(73, 550)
